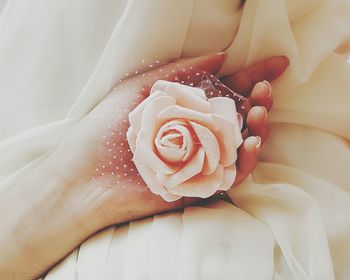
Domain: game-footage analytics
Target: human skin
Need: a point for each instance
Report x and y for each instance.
(89, 182)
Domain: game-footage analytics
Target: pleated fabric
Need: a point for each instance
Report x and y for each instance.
(288, 220)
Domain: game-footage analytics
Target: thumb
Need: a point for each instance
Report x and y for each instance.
(185, 69)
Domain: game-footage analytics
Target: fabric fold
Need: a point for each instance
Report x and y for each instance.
(294, 218)
(289, 221)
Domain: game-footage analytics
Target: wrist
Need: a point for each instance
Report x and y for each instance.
(39, 225)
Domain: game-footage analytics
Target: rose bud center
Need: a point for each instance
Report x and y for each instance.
(174, 141)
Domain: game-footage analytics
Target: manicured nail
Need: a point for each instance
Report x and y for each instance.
(268, 88)
(262, 110)
(251, 142)
(258, 142)
(223, 54)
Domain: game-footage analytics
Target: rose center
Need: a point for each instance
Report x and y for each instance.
(174, 141)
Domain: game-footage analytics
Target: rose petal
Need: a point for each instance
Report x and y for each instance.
(226, 107)
(149, 177)
(144, 140)
(173, 153)
(178, 125)
(186, 98)
(162, 85)
(188, 144)
(192, 168)
(150, 114)
(240, 121)
(131, 137)
(199, 92)
(135, 116)
(167, 140)
(226, 136)
(168, 150)
(211, 148)
(144, 150)
(230, 173)
(200, 186)
(178, 112)
(168, 197)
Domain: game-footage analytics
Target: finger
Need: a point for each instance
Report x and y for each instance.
(268, 69)
(257, 122)
(244, 108)
(261, 95)
(247, 158)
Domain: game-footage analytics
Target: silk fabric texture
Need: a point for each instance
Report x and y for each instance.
(290, 218)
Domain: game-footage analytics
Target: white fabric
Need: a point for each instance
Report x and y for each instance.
(59, 58)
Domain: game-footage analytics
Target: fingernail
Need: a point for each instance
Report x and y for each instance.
(222, 53)
(268, 88)
(258, 142)
(263, 111)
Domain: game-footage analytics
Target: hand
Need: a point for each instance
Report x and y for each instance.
(78, 189)
(94, 158)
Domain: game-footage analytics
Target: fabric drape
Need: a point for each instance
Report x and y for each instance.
(288, 220)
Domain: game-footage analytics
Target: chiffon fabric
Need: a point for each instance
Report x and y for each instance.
(288, 220)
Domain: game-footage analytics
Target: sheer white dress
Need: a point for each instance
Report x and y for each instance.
(290, 218)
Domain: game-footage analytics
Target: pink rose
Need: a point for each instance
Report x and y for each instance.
(183, 143)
